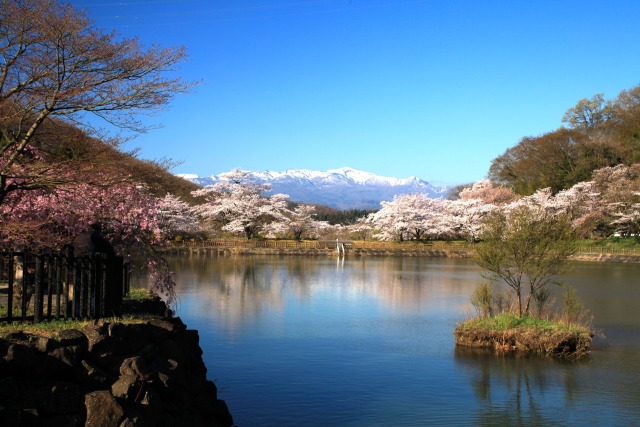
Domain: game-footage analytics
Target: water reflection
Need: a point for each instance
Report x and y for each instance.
(368, 341)
(518, 390)
(246, 286)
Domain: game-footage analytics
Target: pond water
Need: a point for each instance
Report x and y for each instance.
(302, 341)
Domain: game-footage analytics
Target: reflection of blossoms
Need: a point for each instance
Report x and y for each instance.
(162, 282)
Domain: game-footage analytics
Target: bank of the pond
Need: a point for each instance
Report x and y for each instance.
(508, 334)
(364, 252)
(139, 372)
(356, 252)
(617, 258)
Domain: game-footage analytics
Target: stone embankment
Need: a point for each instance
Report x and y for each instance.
(109, 374)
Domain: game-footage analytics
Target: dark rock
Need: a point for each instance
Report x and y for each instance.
(91, 376)
(61, 361)
(9, 390)
(168, 325)
(21, 357)
(136, 366)
(118, 346)
(17, 336)
(74, 338)
(211, 390)
(137, 336)
(95, 335)
(60, 398)
(70, 356)
(109, 374)
(126, 387)
(117, 330)
(68, 420)
(103, 410)
(222, 414)
(45, 344)
(4, 346)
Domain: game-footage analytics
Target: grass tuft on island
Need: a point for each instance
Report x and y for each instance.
(509, 334)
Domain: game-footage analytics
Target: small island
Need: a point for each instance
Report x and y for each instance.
(509, 334)
(525, 249)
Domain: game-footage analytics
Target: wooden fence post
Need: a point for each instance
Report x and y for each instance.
(69, 273)
(77, 288)
(59, 267)
(38, 295)
(10, 289)
(102, 298)
(25, 284)
(50, 281)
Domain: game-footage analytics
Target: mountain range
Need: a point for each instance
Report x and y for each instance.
(344, 188)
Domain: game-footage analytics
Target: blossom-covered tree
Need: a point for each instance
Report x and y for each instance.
(298, 223)
(361, 229)
(237, 202)
(488, 192)
(467, 217)
(620, 188)
(411, 216)
(176, 216)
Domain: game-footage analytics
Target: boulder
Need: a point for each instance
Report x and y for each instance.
(103, 410)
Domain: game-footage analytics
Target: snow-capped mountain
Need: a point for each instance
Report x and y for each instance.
(344, 188)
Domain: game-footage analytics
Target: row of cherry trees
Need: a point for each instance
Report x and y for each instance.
(131, 217)
(607, 204)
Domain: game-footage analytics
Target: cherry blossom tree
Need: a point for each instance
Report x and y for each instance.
(176, 216)
(620, 188)
(467, 216)
(298, 223)
(361, 229)
(390, 221)
(411, 216)
(489, 193)
(237, 202)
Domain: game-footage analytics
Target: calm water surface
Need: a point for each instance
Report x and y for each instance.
(301, 341)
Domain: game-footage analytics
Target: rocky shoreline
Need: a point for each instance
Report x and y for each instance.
(149, 373)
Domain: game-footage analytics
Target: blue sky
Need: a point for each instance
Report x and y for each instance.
(433, 89)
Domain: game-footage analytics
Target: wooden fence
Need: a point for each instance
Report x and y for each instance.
(61, 286)
(328, 244)
(376, 245)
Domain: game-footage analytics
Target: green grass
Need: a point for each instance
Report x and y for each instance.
(509, 321)
(615, 243)
(139, 295)
(51, 328)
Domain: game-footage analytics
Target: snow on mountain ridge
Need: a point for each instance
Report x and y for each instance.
(343, 188)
